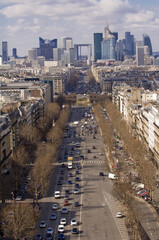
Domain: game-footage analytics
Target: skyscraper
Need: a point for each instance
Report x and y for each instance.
(98, 37)
(140, 55)
(108, 44)
(147, 42)
(129, 44)
(66, 43)
(14, 50)
(46, 47)
(115, 35)
(119, 50)
(4, 52)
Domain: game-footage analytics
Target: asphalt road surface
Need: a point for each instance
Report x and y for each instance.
(96, 213)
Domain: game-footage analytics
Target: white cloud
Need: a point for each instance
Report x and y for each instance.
(79, 19)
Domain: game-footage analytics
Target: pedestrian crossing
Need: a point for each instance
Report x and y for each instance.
(115, 206)
(90, 161)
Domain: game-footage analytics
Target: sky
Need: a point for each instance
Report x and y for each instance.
(22, 22)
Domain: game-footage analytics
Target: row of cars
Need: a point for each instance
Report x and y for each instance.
(73, 181)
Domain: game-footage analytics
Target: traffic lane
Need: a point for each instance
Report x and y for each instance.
(97, 219)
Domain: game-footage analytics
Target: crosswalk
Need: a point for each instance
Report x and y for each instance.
(90, 161)
(115, 207)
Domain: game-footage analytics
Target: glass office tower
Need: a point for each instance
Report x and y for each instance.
(98, 37)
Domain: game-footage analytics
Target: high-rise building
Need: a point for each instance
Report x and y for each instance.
(65, 43)
(147, 42)
(115, 35)
(4, 52)
(119, 50)
(14, 51)
(108, 44)
(130, 48)
(98, 37)
(32, 54)
(46, 47)
(140, 55)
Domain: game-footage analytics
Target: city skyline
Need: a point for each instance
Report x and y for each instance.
(22, 24)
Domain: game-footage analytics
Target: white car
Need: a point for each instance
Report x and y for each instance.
(55, 206)
(57, 194)
(73, 222)
(63, 221)
(61, 228)
(50, 230)
(119, 215)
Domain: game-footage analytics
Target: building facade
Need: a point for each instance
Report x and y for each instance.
(98, 37)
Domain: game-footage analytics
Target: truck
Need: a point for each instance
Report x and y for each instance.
(112, 176)
(70, 161)
(69, 164)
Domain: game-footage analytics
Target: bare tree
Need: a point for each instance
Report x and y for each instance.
(20, 220)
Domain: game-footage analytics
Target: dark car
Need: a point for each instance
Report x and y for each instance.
(66, 197)
(74, 230)
(76, 204)
(61, 236)
(62, 165)
(77, 172)
(62, 172)
(59, 182)
(38, 236)
(67, 191)
(77, 179)
(101, 174)
(69, 182)
(76, 185)
(70, 174)
(48, 236)
(89, 151)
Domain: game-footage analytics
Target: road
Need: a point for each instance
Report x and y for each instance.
(96, 213)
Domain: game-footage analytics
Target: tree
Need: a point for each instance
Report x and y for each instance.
(20, 220)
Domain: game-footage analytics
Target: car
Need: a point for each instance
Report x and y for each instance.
(48, 236)
(55, 206)
(53, 216)
(61, 236)
(38, 236)
(59, 182)
(76, 191)
(119, 215)
(77, 185)
(57, 194)
(141, 191)
(63, 221)
(61, 228)
(144, 194)
(100, 154)
(62, 172)
(42, 224)
(74, 230)
(69, 182)
(63, 165)
(82, 157)
(94, 156)
(50, 230)
(77, 179)
(70, 174)
(66, 203)
(77, 172)
(67, 191)
(19, 198)
(94, 137)
(73, 222)
(78, 167)
(94, 147)
(64, 210)
(101, 174)
(89, 151)
(76, 204)
(66, 197)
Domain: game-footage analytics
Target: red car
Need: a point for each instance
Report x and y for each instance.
(66, 203)
(144, 194)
